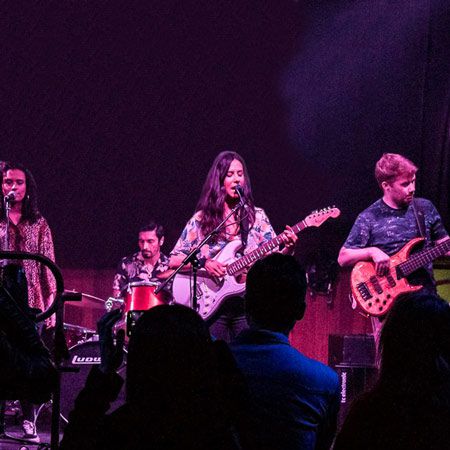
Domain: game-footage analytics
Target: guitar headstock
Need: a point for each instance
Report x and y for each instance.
(318, 217)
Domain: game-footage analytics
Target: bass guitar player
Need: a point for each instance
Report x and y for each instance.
(385, 229)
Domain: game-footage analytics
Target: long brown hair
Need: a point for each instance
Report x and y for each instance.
(212, 198)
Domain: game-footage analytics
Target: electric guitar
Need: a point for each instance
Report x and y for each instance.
(376, 294)
(213, 291)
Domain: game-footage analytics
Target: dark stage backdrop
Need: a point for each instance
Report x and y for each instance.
(119, 108)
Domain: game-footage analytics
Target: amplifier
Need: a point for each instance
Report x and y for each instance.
(353, 381)
(353, 350)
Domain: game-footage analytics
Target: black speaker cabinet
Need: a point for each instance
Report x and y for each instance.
(351, 350)
(353, 358)
(354, 381)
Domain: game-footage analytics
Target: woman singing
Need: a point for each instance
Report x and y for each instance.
(28, 232)
(251, 226)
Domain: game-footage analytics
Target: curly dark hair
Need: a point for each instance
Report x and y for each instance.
(30, 209)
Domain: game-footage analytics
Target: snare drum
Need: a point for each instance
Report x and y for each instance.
(76, 334)
(140, 296)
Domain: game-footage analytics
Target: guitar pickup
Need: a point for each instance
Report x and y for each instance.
(376, 284)
(199, 291)
(391, 280)
(364, 291)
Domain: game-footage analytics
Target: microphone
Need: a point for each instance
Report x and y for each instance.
(240, 193)
(10, 197)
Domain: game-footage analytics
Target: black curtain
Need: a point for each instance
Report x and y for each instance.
(435, 151)
(119, 107)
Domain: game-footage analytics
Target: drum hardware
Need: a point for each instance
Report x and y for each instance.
(113, 302)
(76, 334)
(132, 318)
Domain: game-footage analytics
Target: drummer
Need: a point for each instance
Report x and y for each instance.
(146, 264)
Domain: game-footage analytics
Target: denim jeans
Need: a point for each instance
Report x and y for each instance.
(230, 320)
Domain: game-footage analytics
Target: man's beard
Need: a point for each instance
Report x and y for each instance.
(406, 201)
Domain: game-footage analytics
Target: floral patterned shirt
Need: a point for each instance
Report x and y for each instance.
(259, 233)
(34, 238)
(133, 269)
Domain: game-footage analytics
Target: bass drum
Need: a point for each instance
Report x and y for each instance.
(83, 357)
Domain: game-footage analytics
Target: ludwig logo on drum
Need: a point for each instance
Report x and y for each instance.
(86, 359)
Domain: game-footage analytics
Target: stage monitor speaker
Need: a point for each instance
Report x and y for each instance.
(353, 350)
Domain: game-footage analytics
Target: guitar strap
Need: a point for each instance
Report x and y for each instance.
(420, 219)
(244, 225)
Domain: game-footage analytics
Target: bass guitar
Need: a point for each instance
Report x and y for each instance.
(213, 291)
(376, 294)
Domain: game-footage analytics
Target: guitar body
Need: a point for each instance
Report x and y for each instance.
(211, 291)
(375, 294)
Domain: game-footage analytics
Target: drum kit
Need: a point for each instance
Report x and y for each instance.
(84, 346)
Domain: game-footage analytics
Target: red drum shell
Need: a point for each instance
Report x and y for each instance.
(141, 297)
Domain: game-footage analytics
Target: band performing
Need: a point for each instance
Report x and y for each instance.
(201, 333)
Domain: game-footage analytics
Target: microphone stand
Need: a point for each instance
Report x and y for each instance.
(192, 258)
(60, 351)
(3, 263)
(7, 203)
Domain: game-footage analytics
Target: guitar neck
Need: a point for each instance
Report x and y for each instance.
(424, 257)
(248, 259)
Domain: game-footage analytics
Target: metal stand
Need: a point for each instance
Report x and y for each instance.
(2, 417)
(60, 351)
(7, 206)
(192, 258)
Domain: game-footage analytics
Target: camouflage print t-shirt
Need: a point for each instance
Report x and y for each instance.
(390, 229)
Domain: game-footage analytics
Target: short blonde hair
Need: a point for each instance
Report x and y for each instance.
(392, 165)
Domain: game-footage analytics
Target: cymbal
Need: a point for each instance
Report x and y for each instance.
(88, 301)
(89, 296)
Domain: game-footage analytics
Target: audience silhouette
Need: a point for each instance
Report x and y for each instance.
(409, 407)
(293, 400)
(178, 394)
